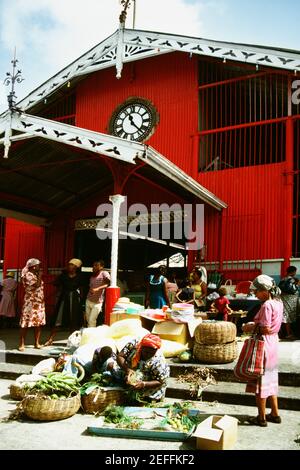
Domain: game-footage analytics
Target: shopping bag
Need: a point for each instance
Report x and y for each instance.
(229, 287)
(250, 364)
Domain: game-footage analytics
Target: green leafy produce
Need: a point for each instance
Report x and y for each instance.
(116, 415)
(135, 377)
(185, 356)
(113, 414)
(178, 418)
(96, 381)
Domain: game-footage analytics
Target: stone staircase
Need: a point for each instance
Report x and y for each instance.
(227, 390)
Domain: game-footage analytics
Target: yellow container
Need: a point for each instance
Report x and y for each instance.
(172, 331)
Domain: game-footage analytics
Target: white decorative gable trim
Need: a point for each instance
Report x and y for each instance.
(250, 54)
(95, 142)
(131, 45)
(105, 144)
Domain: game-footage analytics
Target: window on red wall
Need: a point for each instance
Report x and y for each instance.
(230, 98)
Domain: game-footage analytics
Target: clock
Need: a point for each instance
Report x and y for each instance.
(135, 119)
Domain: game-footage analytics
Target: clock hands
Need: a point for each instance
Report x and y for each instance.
(133, 123)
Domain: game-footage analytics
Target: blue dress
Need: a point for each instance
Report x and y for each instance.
(157, 293)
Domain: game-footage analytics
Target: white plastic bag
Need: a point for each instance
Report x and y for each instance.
(44, 367)
(74, 340)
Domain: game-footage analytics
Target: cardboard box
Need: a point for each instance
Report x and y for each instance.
(217, 433)
(122, 315)
(172, 331)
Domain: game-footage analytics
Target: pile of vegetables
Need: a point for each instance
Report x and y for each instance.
(134, 377)
(56, 386)
(198, 380)
(185, 356)
(96, 381)
(178, 418)
(116, 415)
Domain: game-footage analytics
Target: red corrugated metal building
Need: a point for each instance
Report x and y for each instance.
(226, 118)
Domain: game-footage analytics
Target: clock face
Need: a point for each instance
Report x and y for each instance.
(135, 119)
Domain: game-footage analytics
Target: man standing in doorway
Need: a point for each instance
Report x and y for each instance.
(99, 280)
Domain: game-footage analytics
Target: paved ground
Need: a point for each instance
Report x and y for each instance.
(70, 434)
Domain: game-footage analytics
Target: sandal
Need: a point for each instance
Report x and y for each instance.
(257, 421)
(273, 419)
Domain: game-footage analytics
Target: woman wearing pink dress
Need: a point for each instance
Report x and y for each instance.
(268, 321)
(33, 312)
(7, 304)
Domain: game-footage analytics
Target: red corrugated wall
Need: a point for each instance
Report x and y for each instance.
(169, 81)
(23, 241)
(252, 224)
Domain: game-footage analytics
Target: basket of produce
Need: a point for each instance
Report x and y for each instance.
(22, 384)
(215, 333)
(99, 393)
(216, 353)
(54, 397)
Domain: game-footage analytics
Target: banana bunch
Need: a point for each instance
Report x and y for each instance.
(57, 386)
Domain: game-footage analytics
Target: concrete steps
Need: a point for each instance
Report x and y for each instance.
(12, 371)
(228, 391)
(233, 393)
(224, 373)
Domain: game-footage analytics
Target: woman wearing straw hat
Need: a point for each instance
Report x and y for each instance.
(33, 311)
(7, 304)
(68, 310)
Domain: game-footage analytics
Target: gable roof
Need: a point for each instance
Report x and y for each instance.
(126, 45)
(59, 135)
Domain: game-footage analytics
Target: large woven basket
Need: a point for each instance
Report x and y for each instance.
(216, 354)
(100, 398)
(45, 409)
(16, 392)
(215, 333)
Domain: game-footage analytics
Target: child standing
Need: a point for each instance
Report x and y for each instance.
(221, 305)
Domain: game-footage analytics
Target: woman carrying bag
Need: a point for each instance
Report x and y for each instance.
(267, 323)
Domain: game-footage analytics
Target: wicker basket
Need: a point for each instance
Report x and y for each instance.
(16, 392)
(215, 333)
(99, 399)
(216, 354)
(45, 409)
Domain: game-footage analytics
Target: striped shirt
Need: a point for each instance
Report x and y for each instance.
(96, 281)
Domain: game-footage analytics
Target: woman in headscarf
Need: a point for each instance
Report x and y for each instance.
(146, 357)
(7, 304)
(33, 311)
(267, 322)
(68, 309)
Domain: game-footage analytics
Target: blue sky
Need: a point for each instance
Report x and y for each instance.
(49, 34)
